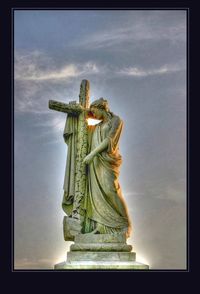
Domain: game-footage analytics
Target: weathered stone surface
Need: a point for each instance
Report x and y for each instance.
(71, 227)
(100, 238)
(101, 247)
(100, 242)
(70, 108)
(82, 150)
(102, 265)
(108, 260)
(75, 256)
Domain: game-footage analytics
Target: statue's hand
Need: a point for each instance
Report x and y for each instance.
(88, 158)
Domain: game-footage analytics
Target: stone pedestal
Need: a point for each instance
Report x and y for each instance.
(101, 251)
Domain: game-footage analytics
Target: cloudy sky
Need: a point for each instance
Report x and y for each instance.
(137, 60)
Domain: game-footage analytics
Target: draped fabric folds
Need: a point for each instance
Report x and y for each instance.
(70, 137)
(104, 204)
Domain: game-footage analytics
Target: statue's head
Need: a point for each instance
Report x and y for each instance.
(99, 107)
(100, 103)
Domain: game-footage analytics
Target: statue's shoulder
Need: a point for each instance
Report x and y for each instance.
(116, 122)
(116, 119)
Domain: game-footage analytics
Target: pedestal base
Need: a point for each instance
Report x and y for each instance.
(101, 252)
(106, 265)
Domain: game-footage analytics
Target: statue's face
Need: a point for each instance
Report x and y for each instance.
(97, 113)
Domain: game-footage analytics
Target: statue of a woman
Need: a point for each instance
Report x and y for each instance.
(96, 215)
(105, 209)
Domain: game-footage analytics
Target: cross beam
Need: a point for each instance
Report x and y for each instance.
(71, 108)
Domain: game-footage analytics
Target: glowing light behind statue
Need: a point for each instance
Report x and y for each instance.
(92, 121)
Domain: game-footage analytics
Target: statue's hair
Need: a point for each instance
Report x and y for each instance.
(100, 103)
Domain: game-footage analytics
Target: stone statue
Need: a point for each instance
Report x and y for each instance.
(96, 214)
(106, 212)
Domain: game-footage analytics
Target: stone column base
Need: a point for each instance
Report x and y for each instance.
(101, 252)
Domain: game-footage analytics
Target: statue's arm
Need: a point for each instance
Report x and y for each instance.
(97, 150)
(108, 143)
(101, 147)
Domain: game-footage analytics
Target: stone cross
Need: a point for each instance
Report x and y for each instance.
(78, 109)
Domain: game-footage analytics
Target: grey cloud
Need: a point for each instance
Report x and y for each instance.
(38, 66)
(139, 72)
(134, 31)
(38, 79)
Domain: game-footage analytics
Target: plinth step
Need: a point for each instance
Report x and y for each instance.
(101, 247)
(100, 256)
(100, 238)
(101, 252)
(104, 265)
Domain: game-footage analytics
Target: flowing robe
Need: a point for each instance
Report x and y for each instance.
(104, 203)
